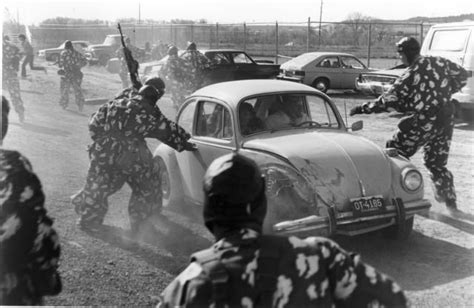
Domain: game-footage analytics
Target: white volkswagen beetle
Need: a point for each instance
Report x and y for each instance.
(319, 177)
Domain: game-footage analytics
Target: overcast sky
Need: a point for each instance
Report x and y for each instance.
(225, 11)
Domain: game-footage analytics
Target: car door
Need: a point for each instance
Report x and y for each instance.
(351, 69)
(222, 68)
(326, 67)
(213, 133)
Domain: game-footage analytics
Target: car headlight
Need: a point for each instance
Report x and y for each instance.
(279, 177)
(411, 179)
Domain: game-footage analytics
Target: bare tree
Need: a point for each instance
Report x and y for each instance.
(357, 24)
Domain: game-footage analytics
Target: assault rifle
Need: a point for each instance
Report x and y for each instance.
(132, 64)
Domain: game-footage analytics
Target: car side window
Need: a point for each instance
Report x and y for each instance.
(241, 58)
(214, 121)
(186, 117)
(219, 59)
(320, 111)
(329, 62)
(350, 62)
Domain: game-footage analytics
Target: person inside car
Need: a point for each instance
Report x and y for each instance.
(249, 122)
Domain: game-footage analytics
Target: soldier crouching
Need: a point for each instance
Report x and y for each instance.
(119, 155)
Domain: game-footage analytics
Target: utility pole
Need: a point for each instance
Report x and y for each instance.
(320, 19)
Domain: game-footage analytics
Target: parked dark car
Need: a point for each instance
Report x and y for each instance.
(52, 54)
(101, 53)
(227, 65)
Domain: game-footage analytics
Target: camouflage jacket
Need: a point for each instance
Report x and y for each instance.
(196, 60)
(423, 89)
(71, 61)
(175, 69)
(136, 54)
(128, 119)
(246, 269)
(29, 246)
(10, 59)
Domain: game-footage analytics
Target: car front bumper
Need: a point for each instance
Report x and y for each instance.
(289, 78)
(346, 223)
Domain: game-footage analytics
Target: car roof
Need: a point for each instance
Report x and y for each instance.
(234, 91)
(223, 50)
(328, 53)
(454, 24)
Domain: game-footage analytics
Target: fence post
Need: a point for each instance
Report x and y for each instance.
(421, 33)
(217, 35)
(276, 42)
(210, 36)
(369, 44)
(171, 34)
(308, 31)
(245, 36)
(192, 33)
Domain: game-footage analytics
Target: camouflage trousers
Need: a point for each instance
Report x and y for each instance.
(13, 86)
(436, 143)
(178, 92)
(125, 78)
(66, 82)
(107, 174)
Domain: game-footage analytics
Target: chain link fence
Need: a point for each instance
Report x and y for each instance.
(278, 41)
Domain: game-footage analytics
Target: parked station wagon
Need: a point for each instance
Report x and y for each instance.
(319, 177)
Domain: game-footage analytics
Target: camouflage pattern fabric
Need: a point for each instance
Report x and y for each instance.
(425, 90)
(71, 61)
(289, 272)
(175, 73)
(197, 64)
(29, 246)
(119, 155)
(10, 67)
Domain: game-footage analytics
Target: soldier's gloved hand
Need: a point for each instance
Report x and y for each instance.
(356, 110)
(189, 146)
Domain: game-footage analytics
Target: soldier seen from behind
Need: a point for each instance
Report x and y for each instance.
(29, 56)
(197, 66)
(119, 154)
(29, 246)
(175, 73)
(70, 63)
(424, 91)
(10, 67)
(247, 269)
(136, 53)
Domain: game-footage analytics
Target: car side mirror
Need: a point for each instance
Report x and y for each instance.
(357, 125)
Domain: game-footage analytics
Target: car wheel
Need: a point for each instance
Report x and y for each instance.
(321, 84)
(170, 185)
(399, 231)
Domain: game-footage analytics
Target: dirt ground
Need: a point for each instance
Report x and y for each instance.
(435, 265)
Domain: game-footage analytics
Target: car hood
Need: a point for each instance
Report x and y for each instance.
(292, 66)
(338, 165)
(388, 72)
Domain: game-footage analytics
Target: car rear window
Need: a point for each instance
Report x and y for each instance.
(449, 40)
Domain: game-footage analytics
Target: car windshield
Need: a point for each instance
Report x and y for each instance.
(113, 40)
(285, 111)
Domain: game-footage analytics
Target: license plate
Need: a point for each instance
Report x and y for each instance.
(367, 205)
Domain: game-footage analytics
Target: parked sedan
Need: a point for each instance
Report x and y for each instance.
(319, 177)
(227, 65)
(52, 54)
(324, 70)
(377, 82)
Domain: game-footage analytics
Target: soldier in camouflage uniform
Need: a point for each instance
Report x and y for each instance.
(247, 269)
(70, 63)
(424, 90)
(136, 53)
(29, 246)
(197, 65)
(175, 73)
(119, 154)
(10, 67)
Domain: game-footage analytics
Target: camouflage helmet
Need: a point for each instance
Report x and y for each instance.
(191, 46)
(410, 47)
(173, 51)
(234, 193)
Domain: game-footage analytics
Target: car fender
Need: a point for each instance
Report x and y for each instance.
(168, 155)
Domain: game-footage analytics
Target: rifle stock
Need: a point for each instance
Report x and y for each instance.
(132, 64)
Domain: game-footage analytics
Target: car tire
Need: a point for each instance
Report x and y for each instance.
(399, 232)
(171, 187)
(321, 84)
